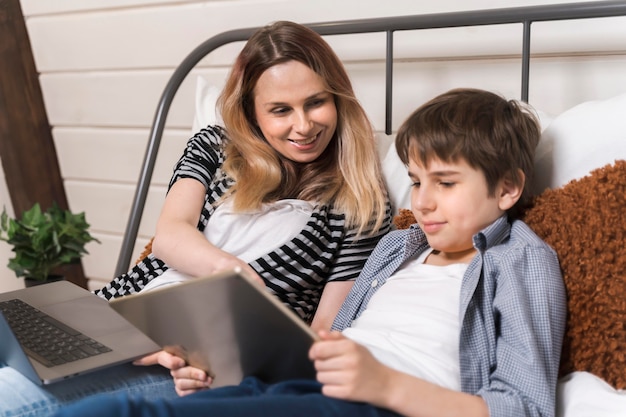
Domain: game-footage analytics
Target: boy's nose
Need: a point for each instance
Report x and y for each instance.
(421, 199)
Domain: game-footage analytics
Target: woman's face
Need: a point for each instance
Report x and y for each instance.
(294, 111)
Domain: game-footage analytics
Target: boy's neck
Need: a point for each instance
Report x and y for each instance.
(443, 258)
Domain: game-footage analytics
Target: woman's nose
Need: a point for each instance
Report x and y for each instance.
(302, 123)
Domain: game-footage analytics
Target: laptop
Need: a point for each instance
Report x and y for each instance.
(227, 324)
(91, 335)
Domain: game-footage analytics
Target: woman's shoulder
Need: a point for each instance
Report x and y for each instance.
(213, 135)
(202, 157)
(208, 143)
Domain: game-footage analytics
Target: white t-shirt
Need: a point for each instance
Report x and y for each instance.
(411, 323)
(248, 235)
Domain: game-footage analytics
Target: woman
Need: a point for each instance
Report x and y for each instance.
(290, 190)
(296, 142)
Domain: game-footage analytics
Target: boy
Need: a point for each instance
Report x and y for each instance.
(462, 314)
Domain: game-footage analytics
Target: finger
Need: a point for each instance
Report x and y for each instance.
(333, 344)
(189, 386)
(170, 361)
(335, 391)
(331, 377)
(182, 393)
(253, 274)
(334, 335)
(151, 359)
(190, 373)
(162, 358)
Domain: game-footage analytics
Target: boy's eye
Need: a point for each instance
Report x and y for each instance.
(446, 184)
(415, 184)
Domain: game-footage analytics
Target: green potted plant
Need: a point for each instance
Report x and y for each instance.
(43, 241)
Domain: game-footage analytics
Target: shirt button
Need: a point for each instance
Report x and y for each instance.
(374, 283)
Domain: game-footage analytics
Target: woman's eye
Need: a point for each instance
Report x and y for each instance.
(316, 103)
(280, 110)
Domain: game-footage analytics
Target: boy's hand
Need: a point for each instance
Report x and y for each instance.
(187, 379)
(348, 370)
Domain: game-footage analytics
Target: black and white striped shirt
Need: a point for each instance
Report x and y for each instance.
(297, 271)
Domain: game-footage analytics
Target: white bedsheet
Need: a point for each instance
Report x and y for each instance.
(581, 394)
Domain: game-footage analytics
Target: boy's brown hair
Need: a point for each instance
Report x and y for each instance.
(492, 134)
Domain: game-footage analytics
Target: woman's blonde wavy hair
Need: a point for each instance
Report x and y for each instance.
(347, 175)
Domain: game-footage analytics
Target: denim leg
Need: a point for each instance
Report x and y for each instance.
(19, 397)
(249, 399)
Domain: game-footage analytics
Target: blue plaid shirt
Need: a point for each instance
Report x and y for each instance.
(512, 313)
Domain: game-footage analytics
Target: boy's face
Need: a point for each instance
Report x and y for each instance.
(451, 204)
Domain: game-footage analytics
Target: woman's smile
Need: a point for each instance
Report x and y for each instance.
(303, 142)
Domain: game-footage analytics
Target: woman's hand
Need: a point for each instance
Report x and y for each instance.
(187, 379)
(229, 262)
(348, 370)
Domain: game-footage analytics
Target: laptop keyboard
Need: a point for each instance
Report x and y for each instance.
(46, 339)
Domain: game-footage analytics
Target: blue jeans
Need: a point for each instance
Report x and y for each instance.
(251, 398)
(19, 397)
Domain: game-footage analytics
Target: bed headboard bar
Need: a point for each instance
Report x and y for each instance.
(523, 15)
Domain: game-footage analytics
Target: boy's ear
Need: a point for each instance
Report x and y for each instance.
(510, 190)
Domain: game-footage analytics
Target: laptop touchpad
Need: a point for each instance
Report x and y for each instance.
(89, 314)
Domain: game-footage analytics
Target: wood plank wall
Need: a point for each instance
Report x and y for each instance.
(103, 64)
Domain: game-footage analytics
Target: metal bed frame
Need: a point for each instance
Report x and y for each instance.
(523, 15)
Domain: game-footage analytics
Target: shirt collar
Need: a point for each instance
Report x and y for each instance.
(492, 235)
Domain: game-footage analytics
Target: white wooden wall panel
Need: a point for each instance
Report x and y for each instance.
(103, 64)
(91, 40)
(38, 7)
(111, 155)
(344, 8)
(119, 98)
(563, 82)
(111, 40)
(110, 98)
(556, 82)
(108, 205)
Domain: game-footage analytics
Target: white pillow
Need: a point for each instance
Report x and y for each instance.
(206, 111)
(581, 394)
(397, 180)
(579, 140)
